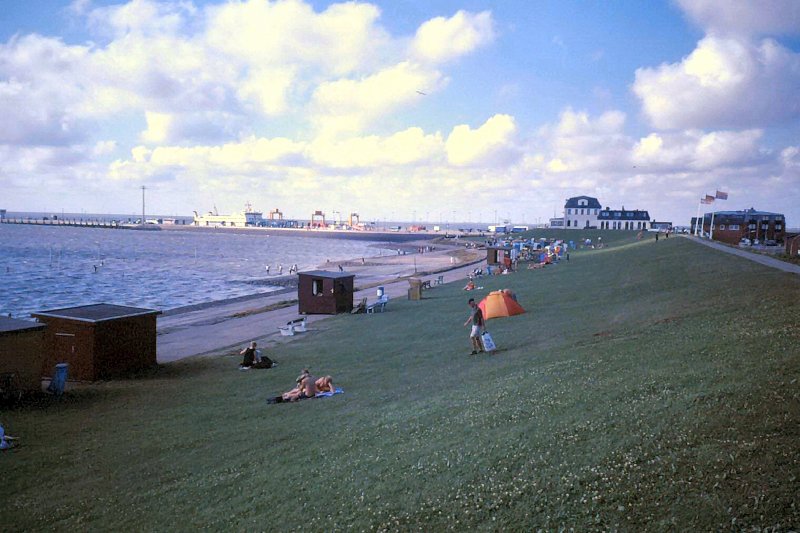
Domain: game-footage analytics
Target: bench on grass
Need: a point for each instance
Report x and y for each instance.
(298, 325)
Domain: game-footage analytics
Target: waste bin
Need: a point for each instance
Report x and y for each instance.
(380, 292)
(59, 379)
(415, 289)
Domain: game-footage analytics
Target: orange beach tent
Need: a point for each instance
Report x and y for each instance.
(499, 303)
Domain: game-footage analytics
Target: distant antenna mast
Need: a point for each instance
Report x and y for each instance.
(143, 189)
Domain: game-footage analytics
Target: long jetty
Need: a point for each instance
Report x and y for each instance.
(86, 223)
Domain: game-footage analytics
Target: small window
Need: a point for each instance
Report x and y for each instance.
(778, 227)
(733, 227)
(722, 226)
(316, 287)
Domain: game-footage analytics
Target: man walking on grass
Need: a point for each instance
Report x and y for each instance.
(476, 317)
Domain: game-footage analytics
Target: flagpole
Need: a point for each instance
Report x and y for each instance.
(711, 228)
(697, 219)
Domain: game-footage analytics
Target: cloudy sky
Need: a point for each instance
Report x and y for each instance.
(435, 110)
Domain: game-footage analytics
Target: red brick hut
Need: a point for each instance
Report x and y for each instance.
(99, 341)
(320, 292)
(498, 255)
(21, 354)
(792, 244)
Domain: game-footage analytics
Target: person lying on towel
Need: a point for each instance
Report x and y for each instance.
(307, 387)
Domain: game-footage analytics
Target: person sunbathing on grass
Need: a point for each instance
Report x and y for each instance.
(325, 384)
(306, 388)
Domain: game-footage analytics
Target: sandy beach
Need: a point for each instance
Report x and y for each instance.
(228, 325)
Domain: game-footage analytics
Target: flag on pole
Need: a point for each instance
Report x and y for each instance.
(704, 201)
(721, 195)
(709, 199)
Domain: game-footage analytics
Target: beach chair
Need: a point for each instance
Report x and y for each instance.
(286, 331)
(439, 280)
(379, 306)
(361, 307)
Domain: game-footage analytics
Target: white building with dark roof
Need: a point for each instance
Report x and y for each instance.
(581, 212)
(623, 219)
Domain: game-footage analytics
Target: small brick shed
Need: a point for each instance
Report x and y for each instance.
(320, 292)
(498, 255)
(99, 341)
(22, 352)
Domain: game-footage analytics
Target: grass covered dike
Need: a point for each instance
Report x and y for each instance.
(650, 386)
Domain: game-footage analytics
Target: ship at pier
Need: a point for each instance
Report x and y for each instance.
(242, 219)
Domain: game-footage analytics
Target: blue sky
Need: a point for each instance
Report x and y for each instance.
(317, 105)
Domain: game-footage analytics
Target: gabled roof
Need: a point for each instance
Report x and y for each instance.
(591, 203)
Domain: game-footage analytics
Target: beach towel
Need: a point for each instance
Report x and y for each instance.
(327, 394)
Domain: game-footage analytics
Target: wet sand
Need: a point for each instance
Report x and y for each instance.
(228, 325)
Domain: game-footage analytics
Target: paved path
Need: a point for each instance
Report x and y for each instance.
(216, 329)
(758, 258)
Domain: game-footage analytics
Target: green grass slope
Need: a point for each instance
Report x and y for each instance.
(650, 386)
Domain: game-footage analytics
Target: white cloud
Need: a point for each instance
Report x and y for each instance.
(348, 106)
(338, 41)
(694, 150)
(723, 83)
(137, 16)
(409, 147)
(492, 144)
(767, 17)
(579, 143)
(443, 39)
(39, 86)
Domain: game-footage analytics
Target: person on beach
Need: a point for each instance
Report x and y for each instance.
(306, 388)
(478, 326)
(470, 286)
(267, 270)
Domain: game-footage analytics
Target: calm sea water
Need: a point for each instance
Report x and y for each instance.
(45, 267)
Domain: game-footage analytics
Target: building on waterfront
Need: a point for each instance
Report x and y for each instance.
(581, 212)
(248, 217)
(661, 226)
(623, 219)
(733, 226)
(2, 214)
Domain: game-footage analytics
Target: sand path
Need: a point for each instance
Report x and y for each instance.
(227, 326)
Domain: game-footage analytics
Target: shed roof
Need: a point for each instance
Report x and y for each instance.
(96, 312)
(326, 274)
(14, 325)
